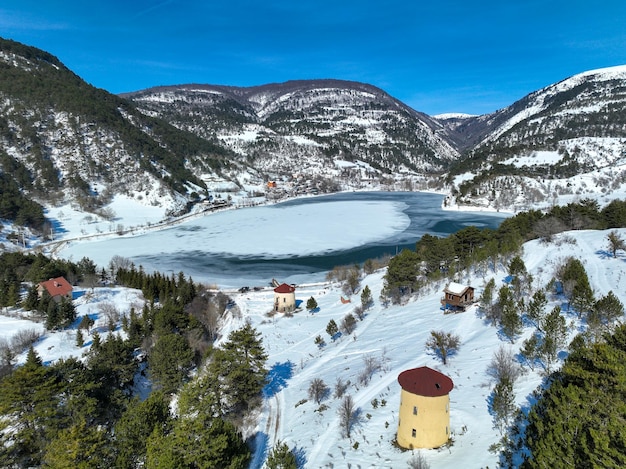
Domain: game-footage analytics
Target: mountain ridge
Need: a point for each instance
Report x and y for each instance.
(62, 139)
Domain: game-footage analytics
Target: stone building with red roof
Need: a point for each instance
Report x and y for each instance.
(424, 418)
(57, 288)
(284, 298)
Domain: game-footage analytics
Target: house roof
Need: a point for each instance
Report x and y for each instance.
(57, 286)
(284, 288)
(456, 288)
(425, 381)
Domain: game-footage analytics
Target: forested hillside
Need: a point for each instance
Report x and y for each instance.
(63, 139)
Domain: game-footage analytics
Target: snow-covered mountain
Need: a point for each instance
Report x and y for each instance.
(63, 140)
(289, 127)
(548, 143)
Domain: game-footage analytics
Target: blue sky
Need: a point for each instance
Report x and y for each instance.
(436, 56)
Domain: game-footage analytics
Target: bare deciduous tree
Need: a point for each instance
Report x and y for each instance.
(616, 242)
(119, 262)
(418, 461)
(317, 390)
(546, 228)
(111, 314)
(340, 387)
(503, 366)
(349, 415)
(443, 344)
(371, 364)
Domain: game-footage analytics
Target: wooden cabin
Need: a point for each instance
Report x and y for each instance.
(457, 297)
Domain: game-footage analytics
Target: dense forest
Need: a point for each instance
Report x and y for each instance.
(435, 257)
(84, 413)
(36, 88)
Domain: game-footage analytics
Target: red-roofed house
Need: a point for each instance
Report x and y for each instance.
(284, 298)
(424, 419)
(57, 288)
(457, 297)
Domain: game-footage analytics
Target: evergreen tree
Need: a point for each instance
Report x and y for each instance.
(80, 446)
(402, 272)
(536, 308)
(29, 398)
(486, 300)
(135, 426)
(576, 420)
(332, 329)
(170, 360)
(281, 457)
(311, 304)
(605, 312)
(80, 340)
(240, 367)
(508, 314)
(503, 405)
(366, 298)
(554, 337)
(201, 442)
(576, 285)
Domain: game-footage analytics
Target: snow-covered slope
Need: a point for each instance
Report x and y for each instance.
(393, 337)
(306, 123)
(579, 122)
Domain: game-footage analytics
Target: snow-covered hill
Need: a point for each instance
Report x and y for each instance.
(394, 338)
(564, 141)
(298, 126)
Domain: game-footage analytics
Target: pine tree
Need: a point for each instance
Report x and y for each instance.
(29, 397)
(332, 329)
(170, 360)
(80, 340)
(366, 298)
(536, 308)
(136, 425)
(281, 457)
(81, 446)
(508, 314)
(202, 441)
(554, 337)
(240, 364)
(486, 300)
(503, 405)
(605, 312)
(311, 304)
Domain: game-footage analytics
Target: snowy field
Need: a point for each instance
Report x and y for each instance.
(395, 336)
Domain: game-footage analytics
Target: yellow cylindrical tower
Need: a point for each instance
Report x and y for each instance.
(424, 419)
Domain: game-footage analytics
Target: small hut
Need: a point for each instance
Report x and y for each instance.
(284, 298)
(457, 297)
(424, 418)
(57, 288)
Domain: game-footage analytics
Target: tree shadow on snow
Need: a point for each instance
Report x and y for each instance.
(277, 377)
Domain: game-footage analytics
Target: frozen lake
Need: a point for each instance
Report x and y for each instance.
(288, 241)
